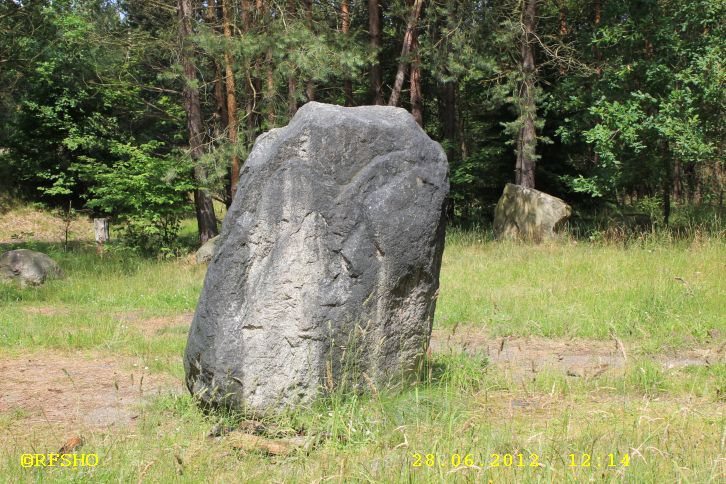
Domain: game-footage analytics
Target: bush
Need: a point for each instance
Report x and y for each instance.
(148, 194)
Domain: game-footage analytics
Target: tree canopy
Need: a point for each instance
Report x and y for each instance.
(143, 110)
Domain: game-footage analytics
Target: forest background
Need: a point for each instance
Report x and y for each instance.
(144, 110)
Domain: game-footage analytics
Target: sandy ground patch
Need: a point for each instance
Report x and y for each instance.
(79, 392)
(151, 326)
(46, 310)
(575, 357)
(75, 391)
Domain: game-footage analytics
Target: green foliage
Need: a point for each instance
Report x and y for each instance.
(145, 191)
(629, 109)
(76, 132)
(658, 101)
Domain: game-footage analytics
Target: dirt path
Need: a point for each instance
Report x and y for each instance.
(65, 391)
(575, 357)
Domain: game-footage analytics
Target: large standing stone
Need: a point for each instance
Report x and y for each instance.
(328, 263)
(528, 214)
(28, 267)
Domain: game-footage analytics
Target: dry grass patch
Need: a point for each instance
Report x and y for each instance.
(150, 326)
(578, 357)
(24, 224)
(63, 391)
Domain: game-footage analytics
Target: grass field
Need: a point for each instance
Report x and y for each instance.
(608, 356)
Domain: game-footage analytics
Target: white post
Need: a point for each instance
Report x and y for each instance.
(100, 227)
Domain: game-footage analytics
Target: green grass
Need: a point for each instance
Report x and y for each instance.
(465, 411)
(670, 421)
(660, 294)
(95, 306)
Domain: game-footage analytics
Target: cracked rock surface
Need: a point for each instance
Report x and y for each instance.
(327, 267)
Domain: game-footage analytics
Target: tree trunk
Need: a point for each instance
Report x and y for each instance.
(269, 73)
(563, 29)
(415, 79)
(460, 130)
(251, 84)
(221, 119)
(447, 96)
(374, 30)
(206, 219)
(719, 172)
(527, 138)
(231, 100)
(677, 182)
(667, 187)
(405, 49)
(309, 84)
(345, 28)
(448, 117)
(220, 96)
(598, 58)
(270, 91)
(291, 79)
(595, 50)
(291, 96)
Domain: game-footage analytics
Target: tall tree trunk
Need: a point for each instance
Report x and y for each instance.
(596, 51)
(291, 96)
(309, 84)
(563, 29)
(291, 79)
(220, 96)
(447, 96)
(251, 83)
(231, 100)
(415, 79)
(527, 138)
(269, 71)
(206, 219)
(405, 49)
(374, 30)
(270, 90)
(345, 28)
(221, 122)
(448, 117)
(667, 188)
(718, 169)
(598, 58)
(677, 181)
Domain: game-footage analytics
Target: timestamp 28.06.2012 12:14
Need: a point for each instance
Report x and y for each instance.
(516, 460)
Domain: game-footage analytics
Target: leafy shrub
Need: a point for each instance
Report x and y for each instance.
(145, 192)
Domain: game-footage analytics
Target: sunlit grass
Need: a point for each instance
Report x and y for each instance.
(671, 422)
(468, 410)
(665, 294)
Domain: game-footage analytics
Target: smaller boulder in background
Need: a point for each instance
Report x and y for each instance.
(528, 214)
(206, 251)
(28, 267)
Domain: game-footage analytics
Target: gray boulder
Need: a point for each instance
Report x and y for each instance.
(28, 267)
(328, 264)
(206, 251)
(528, 214)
